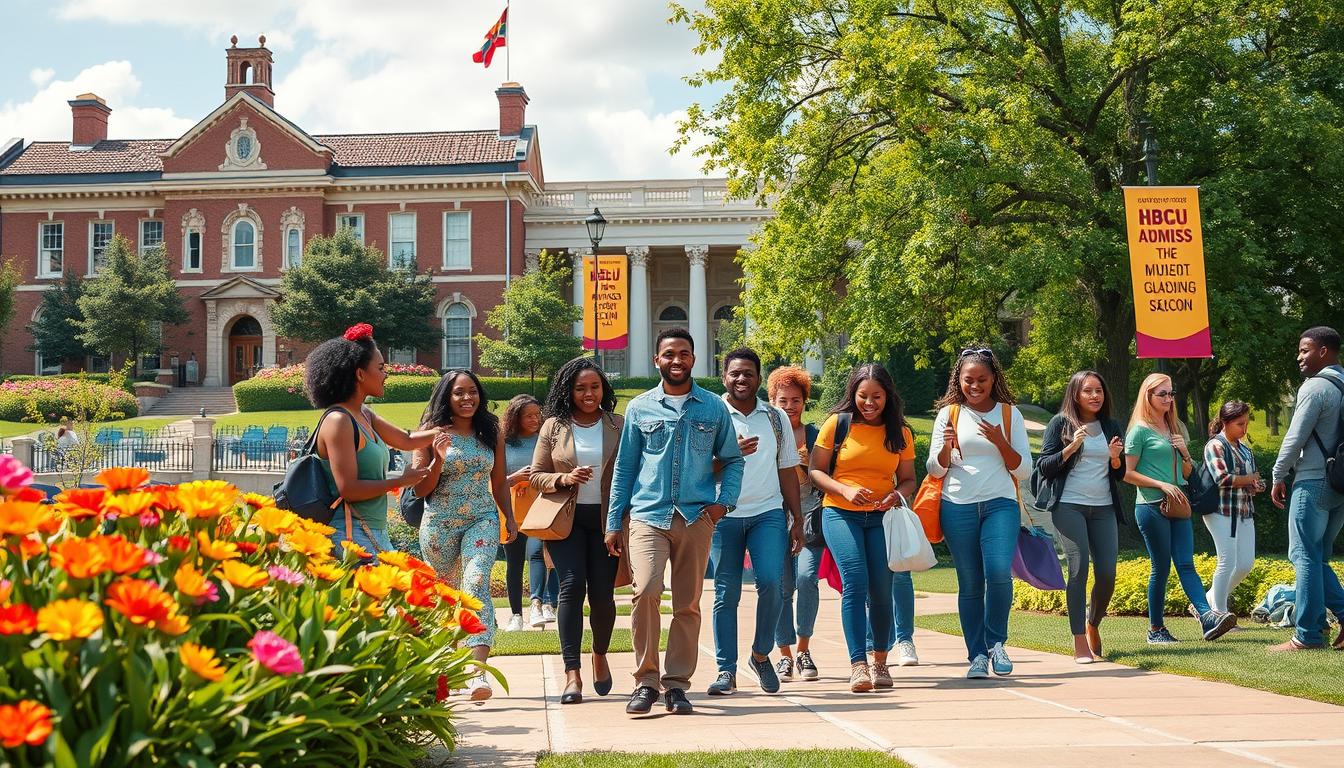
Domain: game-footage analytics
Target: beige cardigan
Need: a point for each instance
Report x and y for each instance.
(554, 455)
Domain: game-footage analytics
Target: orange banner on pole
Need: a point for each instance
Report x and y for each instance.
(1166, 267)
(608, 276)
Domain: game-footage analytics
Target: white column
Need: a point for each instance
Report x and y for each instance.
(576, 255)
(749, 328)
(640, 329)
(531, 260)
(812, 361)
(697, 308)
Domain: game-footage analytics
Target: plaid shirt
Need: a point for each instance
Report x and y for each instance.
(1230, 498)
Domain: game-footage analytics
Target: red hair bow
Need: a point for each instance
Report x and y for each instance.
(359, 331)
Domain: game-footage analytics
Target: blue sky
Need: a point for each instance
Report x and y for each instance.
(604, 76)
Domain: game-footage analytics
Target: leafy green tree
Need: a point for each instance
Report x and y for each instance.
(535, 324)
(123, 308)
(10, 278)
(56, 330)
(341, 281)
(935, 165)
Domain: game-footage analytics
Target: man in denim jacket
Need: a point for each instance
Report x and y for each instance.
(664, 480)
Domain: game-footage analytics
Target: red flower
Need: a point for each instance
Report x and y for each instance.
(18, 619)
(441, 691)
(179, 543)
(359, 331)
(246, 547)
(469, 622)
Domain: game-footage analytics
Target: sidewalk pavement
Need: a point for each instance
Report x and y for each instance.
(1050, 711)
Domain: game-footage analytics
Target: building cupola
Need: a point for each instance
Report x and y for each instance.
(250, 71)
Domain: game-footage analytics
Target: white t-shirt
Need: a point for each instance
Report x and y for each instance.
(1087, 483)
(978, 473)
(677, 401)
(588, 452)
(760, 472)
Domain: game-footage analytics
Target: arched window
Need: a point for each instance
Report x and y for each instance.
(672, 314)
(293, 247)
(457, 335)
(724, 313)
(244, 245)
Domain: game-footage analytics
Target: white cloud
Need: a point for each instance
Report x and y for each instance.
(47, 115)
(349, 65)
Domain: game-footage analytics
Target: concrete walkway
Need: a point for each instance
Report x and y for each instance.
(1049, 712)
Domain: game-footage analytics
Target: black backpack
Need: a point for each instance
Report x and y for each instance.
(1334, 459)
(304, 490)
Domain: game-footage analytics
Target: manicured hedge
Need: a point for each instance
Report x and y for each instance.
(55, 399)
(97, 378)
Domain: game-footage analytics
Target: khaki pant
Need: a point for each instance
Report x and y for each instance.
(650, 550)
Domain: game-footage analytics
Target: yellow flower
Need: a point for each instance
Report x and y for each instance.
(216, 550)
(190, 581)
(205, 499)
(399, 559)
(131, 504)
(306, 542)
(258, 501)
(20, 518)
(354, 550)
(326, 571)
(67, 619)
(376, 581)
(457, 597)
(242, 575)
(375, 610)
(273, 520)
(328, 613)
(201, 661)
(313, 526)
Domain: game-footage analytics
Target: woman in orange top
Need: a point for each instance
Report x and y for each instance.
(874, 466)
(522, 423)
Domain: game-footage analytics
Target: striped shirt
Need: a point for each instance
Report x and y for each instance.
(1231, 498)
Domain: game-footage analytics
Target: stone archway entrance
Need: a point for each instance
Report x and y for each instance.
(245, 348)
(239, 336)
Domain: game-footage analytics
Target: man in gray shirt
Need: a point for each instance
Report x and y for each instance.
(1315, 510)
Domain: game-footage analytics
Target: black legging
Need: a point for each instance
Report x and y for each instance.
(583, 564)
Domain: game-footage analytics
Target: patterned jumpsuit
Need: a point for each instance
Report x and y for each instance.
(460, 534)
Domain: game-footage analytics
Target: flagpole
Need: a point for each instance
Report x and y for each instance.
(508, 31)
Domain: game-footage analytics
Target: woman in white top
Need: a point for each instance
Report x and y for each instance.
(981, 464)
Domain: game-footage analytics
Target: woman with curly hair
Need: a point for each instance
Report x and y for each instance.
(574, 451)
(522, 422)
(981, 458)
(465, 489)
(352, 441)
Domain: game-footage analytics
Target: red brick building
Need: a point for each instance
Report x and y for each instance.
(234, 200)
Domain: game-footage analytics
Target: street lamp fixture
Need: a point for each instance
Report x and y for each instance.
(597, 227)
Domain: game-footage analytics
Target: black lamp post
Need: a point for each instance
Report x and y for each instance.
(597, 226)
(1150, 148)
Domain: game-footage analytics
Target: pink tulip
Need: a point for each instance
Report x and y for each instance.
(275, 653)
(13, 475)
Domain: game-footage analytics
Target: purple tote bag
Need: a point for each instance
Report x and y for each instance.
(1035, 561)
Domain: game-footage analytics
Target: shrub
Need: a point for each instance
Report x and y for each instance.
(196, 628)
(285, 393)
(57, 398)
(99, 378)
(1131, 588)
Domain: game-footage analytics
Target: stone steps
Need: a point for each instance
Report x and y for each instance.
(188, 401)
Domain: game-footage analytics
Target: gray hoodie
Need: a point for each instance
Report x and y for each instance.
(1318, 408)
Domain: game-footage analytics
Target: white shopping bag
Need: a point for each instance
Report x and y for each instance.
(907, 547)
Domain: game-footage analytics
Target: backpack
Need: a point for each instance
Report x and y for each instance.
(1334, 459)
(304, 490)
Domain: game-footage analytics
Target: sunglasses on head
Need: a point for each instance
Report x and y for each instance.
(980, 352)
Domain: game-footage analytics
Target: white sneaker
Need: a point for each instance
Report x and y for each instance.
(515, 623)
(905, 654)
(478, 689)
(547, 613)
(979, 668)
(536, 617)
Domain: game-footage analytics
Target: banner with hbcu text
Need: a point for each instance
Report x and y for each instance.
(613, 302)
(1166, 266)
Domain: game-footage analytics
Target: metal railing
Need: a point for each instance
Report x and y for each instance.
(169, 452)
(240, 454)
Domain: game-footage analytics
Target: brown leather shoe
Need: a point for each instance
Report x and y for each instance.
(1293, 644)
(1093, 639)
(1338, 645)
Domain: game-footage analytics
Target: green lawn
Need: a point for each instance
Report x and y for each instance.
(1239, 658)
(147, 423)
(941, 578)
(622, 608)
(793, 758)
(537, 643)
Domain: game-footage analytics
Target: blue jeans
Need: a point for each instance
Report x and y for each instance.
(1169, 541)
(380, 543)
(902, 611)
(766, 537)
(983, 539)
(859, 546)
(1315, 516)
(800, 576)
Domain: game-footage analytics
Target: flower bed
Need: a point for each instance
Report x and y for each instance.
(281, 389)
(186, 625)
(56, 398)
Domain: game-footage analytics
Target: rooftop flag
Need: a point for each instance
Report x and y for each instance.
(495, 38)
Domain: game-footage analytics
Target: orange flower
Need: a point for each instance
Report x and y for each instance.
(326, 571)
(30, 548)
(225, 527)
(80, 558)
(375, 610)
(81, 503)
(201, 661)
(21, 518)
(242, 575)
(123, 557)
(190, 581)
(69, 619)
(146, 605)
(376, 581)
(17, 619)
(27, 722)
(328, 613)
(447, 594)
(216, 550)
(206, 499)
(258, 501)
(131, 504)
(354, 550)
(399, 559)
(165, 497)
(122, 478)
(306, 542)
(273, 520)
(469, 621)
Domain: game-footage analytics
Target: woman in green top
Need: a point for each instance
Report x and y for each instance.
(1157, 463)
(352, 441)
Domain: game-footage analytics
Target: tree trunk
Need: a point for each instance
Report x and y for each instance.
(1115, 326)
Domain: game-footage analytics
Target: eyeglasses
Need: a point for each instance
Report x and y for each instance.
(1165, 393)
(982, 352)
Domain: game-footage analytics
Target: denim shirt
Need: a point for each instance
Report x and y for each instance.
(665, 462)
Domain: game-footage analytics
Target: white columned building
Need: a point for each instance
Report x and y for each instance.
(698, 307)
(640, 352)
(579, 282)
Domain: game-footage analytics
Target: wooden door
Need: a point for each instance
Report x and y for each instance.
(244, 357)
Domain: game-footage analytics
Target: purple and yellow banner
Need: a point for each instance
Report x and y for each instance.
(1166, 266)
(612, 308)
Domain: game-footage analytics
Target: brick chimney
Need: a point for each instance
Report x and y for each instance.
(90, 118)
(249, 69)
(512, 109)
